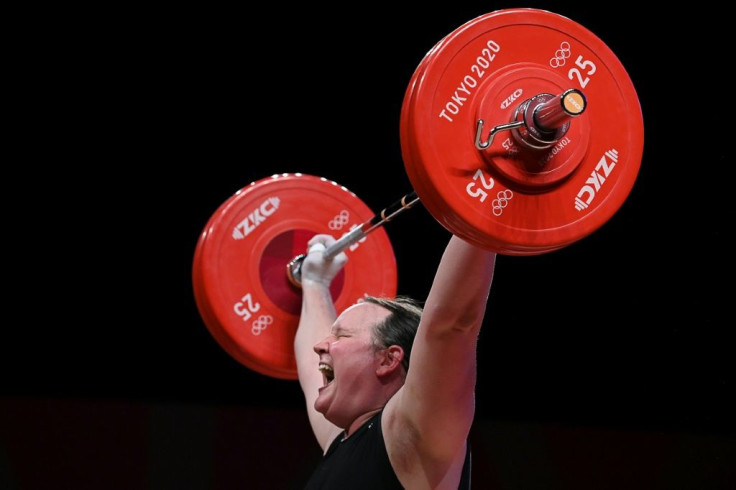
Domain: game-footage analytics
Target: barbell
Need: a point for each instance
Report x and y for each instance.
(521, 132)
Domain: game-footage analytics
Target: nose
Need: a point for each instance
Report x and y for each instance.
(322, 346)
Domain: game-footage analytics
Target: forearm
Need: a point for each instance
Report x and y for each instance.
(317, 315)
(459, 293)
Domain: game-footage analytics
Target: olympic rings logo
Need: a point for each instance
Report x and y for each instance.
(261, 324)
(339, 221)
(561, 55)
(501, 201)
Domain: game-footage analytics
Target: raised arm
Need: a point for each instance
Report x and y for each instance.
(317, 315)
(438, 397)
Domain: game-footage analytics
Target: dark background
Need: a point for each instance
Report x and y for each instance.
(137, 125)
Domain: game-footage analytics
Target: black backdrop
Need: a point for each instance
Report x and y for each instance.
(142, 123)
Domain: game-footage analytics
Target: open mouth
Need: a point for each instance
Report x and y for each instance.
(327, 373)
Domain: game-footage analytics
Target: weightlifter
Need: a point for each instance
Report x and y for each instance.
(389, 383)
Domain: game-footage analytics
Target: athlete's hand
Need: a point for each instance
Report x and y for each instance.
(315, 267)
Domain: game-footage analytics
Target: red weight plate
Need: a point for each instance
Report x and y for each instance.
(239, 269)
(506, 198)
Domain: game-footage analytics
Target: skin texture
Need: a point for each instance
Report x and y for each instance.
(429, 410)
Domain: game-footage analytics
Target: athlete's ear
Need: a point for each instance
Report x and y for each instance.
(390, 360)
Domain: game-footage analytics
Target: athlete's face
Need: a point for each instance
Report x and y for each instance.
(348, 361)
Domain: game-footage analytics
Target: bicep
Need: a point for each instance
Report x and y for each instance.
(439, 393)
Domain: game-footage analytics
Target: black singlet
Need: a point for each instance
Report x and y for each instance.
(361, 463)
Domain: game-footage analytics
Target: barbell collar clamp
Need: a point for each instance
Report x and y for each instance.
(545, 119)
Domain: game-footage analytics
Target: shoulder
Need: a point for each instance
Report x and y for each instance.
(401, 438)
(411, 454)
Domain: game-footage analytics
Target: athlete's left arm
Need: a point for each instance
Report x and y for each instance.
(437, 402)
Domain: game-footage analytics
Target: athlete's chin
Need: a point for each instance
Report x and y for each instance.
(322, 403)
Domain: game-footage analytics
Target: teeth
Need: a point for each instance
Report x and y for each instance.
(328, 373)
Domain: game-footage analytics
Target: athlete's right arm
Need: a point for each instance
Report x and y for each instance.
(317, 316)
